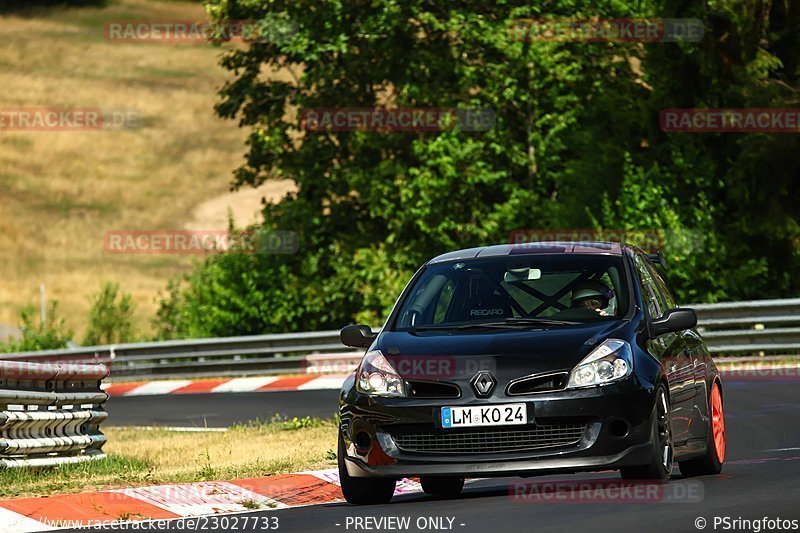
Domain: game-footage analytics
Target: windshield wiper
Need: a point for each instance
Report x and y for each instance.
(540, 321)
(430, 328)
(508, 323)
(461, 327)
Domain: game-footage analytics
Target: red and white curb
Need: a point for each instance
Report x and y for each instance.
(176, 501)
(229, 385)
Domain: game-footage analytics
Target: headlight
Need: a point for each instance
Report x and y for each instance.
(377, 376)
(611, 361)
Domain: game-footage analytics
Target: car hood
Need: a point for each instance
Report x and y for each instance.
(507, 354)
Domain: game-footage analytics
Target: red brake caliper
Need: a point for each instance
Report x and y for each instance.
(718, 423)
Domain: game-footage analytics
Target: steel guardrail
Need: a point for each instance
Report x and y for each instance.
(283, 353)
(50, 414)
(754, 327)
(732, 328)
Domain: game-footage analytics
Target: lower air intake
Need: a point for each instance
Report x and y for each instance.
(492, 440)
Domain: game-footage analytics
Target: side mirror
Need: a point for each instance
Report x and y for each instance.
(674, 320)
(357, 336)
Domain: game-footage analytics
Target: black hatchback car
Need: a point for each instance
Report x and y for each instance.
(526, 360)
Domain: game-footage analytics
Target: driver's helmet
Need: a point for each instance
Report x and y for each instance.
(591, 294)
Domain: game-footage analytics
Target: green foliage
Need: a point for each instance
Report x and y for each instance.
(110, 317)
(169, 322)
(748, 183)
(642, 203)
(295, 423)
(53, 334)
(576, 144)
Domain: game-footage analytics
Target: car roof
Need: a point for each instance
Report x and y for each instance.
(539, 247)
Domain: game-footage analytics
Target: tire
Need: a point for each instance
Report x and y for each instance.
(363, 490)
(711, 463)
(442, 487)
(660, 465)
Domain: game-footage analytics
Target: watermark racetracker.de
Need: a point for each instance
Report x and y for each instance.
(268, 29)
(606, 491)
(397, 119)
(55, 118)
(410, 367)
(730, 120)
(649, 240)
(223, 522)
(43, 368)
(200, 242)
(653, 30)
(439, 367)
(760, 372)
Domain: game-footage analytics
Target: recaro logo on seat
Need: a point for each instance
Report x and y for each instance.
(485, 312)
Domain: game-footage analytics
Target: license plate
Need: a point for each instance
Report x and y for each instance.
(508, 414)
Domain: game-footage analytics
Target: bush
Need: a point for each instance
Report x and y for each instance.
(111, 317)
(50, 335)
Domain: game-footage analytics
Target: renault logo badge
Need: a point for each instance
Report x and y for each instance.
(483, 383)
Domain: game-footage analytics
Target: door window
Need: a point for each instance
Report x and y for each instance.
(652, 300)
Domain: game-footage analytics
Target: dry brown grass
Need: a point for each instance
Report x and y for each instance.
(137, 457)
(61, 191)
(238, 452)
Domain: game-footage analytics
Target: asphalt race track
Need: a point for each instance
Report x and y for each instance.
(761, 479)
(218, 410)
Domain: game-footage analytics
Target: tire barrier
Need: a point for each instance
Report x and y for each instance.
(50, 414)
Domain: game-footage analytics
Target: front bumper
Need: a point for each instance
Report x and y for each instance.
(604, 411)
(635, 455)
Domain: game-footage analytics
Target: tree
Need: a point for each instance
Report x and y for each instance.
(749, 183)
(371, 205)
(110, 317)
(576, 144)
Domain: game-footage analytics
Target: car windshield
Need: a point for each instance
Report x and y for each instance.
(516, 292)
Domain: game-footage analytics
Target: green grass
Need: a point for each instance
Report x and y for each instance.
(45, 480)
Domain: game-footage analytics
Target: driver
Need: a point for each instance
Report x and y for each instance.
(592, 294)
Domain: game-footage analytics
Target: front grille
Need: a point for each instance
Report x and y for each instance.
(492, 440)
